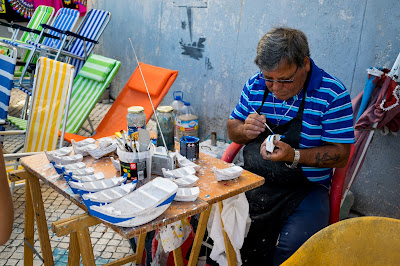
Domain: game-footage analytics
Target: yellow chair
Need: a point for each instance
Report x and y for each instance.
(357, 241)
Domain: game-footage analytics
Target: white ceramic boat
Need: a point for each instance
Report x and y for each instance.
(83, 149)
(88, 178)
(61, 168)
(81, 172)
(228, 173)
(98, 185)
(105, 142)
(116, 163)
(187, 194)
(84, 142)
(186, 181)
(141, 202)
(98, 153)
(60, 152)
(110, 194)
(179, 172)
(183, 162)
(67, 159)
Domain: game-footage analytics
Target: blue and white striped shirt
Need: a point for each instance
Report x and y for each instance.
(327, 117)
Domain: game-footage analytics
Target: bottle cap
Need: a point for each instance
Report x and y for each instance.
(165, 109)
(187, 103)
(135, 109)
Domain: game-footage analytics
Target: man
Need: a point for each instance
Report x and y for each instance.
(312, 112)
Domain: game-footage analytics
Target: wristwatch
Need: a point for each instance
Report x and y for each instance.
(295, 160)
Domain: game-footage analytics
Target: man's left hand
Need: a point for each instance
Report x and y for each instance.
(282, 152)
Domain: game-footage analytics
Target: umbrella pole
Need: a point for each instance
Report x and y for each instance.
(371, 133)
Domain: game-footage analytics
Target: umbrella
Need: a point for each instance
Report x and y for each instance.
(382, 111)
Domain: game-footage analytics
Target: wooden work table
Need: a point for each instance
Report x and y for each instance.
(37, 167)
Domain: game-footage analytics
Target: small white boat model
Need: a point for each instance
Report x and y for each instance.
(116, 163)
(228, 173)
(98, 185)
(88, 178)
(179, 172)
(105, 142)
(80, 172)
(83, 149)
(60, 169)
(60, 152)
(140, 206)
(98, 153)
(111, 194)
(186, 181)
(183, 162)
(187, 194)
(84, 142)
(67, 159)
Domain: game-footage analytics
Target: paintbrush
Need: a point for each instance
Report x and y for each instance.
(264, 123)
(124, 141)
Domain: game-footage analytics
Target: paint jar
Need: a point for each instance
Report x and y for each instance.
(136, 164)
(187, 123)
(166, 120)
(136, 118)
(189, 147)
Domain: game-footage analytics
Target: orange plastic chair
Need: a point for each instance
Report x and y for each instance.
(158, 81)
(336, 191)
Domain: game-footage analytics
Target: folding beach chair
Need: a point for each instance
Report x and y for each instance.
(158, 80)
(50, 100)
(41, 15)
(90, 83)
(77, 46)
(64, 20)
(7, 67)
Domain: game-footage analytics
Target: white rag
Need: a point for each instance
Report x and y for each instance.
(235, 216)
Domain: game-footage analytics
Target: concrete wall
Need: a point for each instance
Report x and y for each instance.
(213, 43)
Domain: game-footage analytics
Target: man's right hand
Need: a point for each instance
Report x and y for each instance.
(254, 125)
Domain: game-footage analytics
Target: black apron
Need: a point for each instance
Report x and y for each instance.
(276, 199)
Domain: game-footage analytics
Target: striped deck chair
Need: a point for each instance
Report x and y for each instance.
(7, 67)
(159, 81)
(90, 83)
(41, 15)
(64, 20)
(50, 102)
(81, 43)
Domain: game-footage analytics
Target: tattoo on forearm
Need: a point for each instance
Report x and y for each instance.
(323, 159)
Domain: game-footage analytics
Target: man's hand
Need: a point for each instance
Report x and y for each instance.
(254, 125)
(282, 152)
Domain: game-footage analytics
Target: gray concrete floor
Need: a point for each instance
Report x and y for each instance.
(107, 245)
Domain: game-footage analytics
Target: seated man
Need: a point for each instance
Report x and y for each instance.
(312, 111)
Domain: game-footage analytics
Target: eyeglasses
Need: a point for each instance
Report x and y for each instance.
(279, 80)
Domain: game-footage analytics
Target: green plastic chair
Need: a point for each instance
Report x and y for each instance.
(90, 83)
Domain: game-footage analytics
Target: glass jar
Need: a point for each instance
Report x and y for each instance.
(167, 120)
(136, 118)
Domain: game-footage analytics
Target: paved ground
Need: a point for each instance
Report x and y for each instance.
(107, 245)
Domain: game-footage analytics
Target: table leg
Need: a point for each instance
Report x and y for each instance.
(178, 257)
(198, 239)
(74, 254)
(44, 239)
(85, 247)
(29, 226)
(230, 251)
(140, 248)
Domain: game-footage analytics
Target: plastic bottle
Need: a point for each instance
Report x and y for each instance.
(177, 104)
(187, 123)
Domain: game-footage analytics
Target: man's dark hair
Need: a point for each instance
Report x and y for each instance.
(279, 45)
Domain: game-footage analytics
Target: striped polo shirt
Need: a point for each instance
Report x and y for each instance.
(327, 117)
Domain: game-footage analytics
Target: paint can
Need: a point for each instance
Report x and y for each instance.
(136, 164)
(189, 147)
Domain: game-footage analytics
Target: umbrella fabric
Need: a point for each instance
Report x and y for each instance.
(386, 91)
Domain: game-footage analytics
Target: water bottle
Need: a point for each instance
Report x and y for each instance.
(136, 118)
(177, 104)
(187, 123)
